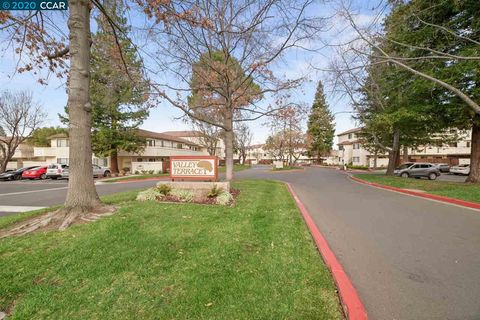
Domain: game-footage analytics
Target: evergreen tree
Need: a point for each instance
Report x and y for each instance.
(119, 90)
(321, 128)
(445, 27)
(40, 136)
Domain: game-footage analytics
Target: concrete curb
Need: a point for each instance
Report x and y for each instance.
(133, 180)
(458, 202)
(350, 300)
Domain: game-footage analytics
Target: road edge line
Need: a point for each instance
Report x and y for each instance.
(352, 305)
(453, 201)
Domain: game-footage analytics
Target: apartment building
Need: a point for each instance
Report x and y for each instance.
(352, 152)
(158, 149)
(23, 153)
(197, 137)
(257, 154)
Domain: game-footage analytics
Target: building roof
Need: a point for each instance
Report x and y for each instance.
(185, 133)
(350, 142)
(145, 134)
(164, 136)
(350, 131)
(255, 146)
(58, 135)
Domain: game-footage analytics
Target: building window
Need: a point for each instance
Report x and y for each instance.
(139, 159)
(340, 148)
(179, 146)
(349, 136)
(62, 142)
(469, 144)
(452, 145)
(356, 146)
(151, 143)
(162, 143)
(62, 160)
(151, 160)
(356, 159)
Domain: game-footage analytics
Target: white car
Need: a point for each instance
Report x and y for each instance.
(463, 169)
(56, 170)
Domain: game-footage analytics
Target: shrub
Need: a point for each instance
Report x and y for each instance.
(224, 198)
(149, 194)
(214, 192)
(151, 171)
(136, 172)
(126, 169)
(183, 194)
(164, 189)
(159, 171)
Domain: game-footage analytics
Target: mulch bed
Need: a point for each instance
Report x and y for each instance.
(203, 200)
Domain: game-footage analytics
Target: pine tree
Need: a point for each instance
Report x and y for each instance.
(321, 128)
(119, 90)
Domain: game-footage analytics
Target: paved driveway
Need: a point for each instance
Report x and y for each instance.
(17, 196)
(408, 257)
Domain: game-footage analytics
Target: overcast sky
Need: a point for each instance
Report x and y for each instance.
(163, 118)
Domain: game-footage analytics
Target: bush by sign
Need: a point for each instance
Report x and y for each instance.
(194, 168)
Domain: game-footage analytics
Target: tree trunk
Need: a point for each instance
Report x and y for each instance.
(474, 175)
(375, 159)
(394, 155)
(114, 161)
(229, 142)
(3, 168)
(81, 189)
(405, 153)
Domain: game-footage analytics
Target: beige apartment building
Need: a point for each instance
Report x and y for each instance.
(22, 157)
(197, 138)
(351, 151)
(155, 156)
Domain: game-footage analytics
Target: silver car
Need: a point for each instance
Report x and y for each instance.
(97, 172)
(417, 170)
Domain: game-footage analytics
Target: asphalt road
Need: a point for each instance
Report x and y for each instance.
(47, 193)
(408, 257)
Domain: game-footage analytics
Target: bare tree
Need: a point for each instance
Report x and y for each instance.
(237, 47)
(19, 117)
(40, 43)
(209, 136)
(286, 127)
(243, 140)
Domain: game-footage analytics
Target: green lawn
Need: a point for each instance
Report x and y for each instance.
(173, 261)
(135, 177)
(236, 167)
(463, 191)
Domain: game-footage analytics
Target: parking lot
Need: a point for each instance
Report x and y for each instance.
(25, 195)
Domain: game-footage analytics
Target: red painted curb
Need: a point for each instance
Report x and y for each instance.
(457, 202)
(351, 302)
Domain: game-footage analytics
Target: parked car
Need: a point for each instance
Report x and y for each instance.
(35, 173)
(443, 167)
(463, 169)
(55, 170)
(97, 172)
(14, 174)
(418, 170)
